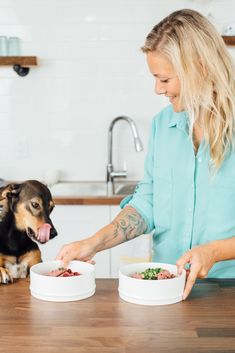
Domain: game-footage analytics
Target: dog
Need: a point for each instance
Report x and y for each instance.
(24, 223)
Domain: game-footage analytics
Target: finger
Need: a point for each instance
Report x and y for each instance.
(92, 262)
(61, 253)
(190, 281)
(64, 262)
(187, 272)
(67, 258)
(58, 257)
(64, 257)
(182, 261)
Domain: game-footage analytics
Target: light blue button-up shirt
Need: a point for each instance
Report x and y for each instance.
(180, 198)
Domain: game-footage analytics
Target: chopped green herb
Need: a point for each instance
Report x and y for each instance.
(151, 273)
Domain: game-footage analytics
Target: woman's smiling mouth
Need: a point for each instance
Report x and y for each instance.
(171, 98)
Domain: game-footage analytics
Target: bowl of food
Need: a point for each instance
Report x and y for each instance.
(51, 281)
(151, 283)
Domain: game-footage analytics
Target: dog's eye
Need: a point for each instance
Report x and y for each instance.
(35, 205)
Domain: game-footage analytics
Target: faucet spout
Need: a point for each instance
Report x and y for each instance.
(111, 174)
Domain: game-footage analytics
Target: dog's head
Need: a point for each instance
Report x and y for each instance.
(31, 204)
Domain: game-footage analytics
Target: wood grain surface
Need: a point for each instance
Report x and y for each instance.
(20, 60)
(105, 323)
(229, 40)
(89, 200)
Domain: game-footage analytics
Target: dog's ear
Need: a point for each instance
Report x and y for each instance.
(11, 191)
(9, 196)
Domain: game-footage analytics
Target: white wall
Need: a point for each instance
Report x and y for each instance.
(90, 70)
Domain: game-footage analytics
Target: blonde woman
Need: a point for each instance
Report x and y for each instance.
(187, 195)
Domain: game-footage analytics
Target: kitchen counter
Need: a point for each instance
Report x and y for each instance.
(105, 323)
(91, 192)
(88, 200)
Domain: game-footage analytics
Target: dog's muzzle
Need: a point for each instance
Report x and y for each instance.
(44, 233)
(31, 234)
(53, 233)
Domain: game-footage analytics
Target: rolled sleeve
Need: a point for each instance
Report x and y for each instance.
(142, 199)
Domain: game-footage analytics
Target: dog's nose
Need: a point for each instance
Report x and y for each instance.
(53, 233)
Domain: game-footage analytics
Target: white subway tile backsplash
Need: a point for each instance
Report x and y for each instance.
(73, 32)
(6, 86)
(90, 70)
(8, 16)
(5, 122)
(123, 31)
(5, 104)
(22, 31)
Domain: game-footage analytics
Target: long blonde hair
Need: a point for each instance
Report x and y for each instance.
(206, 74)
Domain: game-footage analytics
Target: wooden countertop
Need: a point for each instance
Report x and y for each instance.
(89, 200)
(105, 323)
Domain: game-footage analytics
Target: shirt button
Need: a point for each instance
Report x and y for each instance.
(190, 210)
(199, 159)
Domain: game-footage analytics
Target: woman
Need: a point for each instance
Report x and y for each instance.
(187, 195)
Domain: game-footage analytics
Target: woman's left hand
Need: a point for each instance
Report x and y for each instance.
(201, 259)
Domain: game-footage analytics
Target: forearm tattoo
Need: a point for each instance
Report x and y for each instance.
(129, 224)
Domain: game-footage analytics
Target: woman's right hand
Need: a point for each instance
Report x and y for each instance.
(83, 250)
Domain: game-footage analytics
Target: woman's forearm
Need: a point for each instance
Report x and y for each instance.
(223, 249)
(126, 226)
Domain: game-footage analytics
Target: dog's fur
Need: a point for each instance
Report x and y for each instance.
(24, 213)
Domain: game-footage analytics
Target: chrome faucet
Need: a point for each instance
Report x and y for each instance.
(111, 174)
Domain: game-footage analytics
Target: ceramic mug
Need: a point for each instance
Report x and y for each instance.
(13, 46)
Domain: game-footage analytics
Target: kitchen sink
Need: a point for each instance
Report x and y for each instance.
(125, 188)
(91, 188)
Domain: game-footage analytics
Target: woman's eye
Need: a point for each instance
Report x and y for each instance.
(164, 81)
(35, 205)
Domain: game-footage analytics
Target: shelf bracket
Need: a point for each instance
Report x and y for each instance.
(20, 70)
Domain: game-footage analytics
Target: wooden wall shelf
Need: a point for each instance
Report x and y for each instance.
(229, 40)
(20, 60)
(20, 63)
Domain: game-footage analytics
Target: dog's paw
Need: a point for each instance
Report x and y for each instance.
(17, 270)
(23, 271)
(5, 276)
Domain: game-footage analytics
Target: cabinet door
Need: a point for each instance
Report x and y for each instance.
(136, 250)
(73, 223)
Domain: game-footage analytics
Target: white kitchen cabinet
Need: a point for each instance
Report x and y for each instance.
(136, 250)
(75, 222)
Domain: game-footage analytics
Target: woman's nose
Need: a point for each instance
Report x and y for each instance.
(159, 87)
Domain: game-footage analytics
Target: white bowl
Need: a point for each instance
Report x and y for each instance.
(62, 289)
(150, 292)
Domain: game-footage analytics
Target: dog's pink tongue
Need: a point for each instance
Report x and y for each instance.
(44, 233)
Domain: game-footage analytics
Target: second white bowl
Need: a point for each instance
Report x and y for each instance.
(150, 292)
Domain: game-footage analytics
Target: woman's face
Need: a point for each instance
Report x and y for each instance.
(167, 81)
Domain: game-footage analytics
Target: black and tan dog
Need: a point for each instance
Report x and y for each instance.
(24, 222)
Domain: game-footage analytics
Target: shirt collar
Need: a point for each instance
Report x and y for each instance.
(179, 120)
